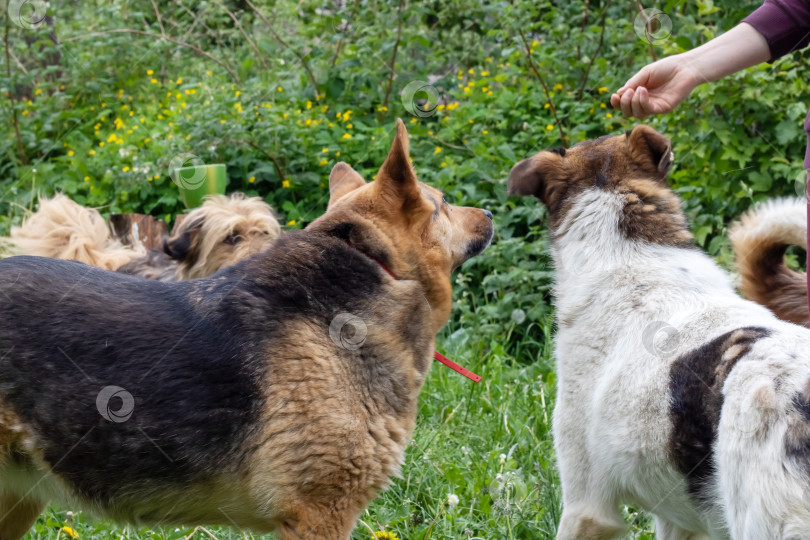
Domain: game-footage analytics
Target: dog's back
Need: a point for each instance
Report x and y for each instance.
(760, 239)
(182, 372)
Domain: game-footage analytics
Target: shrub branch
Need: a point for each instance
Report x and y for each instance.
(563, 136)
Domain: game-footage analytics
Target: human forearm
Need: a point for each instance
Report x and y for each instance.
(739, 48)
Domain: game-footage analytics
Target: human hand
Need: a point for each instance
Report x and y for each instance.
(657, 88)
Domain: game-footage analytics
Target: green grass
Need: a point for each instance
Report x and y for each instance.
(489, 444)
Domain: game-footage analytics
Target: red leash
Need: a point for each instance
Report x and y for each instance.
(436, 354)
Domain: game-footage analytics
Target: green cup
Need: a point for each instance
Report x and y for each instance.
(197, 181)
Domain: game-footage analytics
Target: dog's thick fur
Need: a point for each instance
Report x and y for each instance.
(278, 394)
(675, 394)
(760, 239)
(63, 229)
(220, 233)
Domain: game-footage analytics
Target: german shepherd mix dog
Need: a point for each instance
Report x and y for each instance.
(675, 394)
(278, 394)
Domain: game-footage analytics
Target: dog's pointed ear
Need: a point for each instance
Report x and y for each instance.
(396, 177)
(525, 178)
(651, 150)
(342, 180)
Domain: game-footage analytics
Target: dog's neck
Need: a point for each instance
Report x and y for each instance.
(366, 237)
(596, 264)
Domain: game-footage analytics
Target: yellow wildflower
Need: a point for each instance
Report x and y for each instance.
(154, 81)
(125, 169)
(547, 105)
(557, 86)
(149, 72)
(437, 150)
(70, 153)
(549, 127)
(324, 150)
(608, 115)
(603, 89)
(252, 179)
(347, 136)
(92, 152)
(285, 183)
(71, 532)
(385, 535)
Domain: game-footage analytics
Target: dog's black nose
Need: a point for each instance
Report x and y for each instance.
(488, 214)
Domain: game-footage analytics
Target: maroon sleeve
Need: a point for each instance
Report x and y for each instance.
(785, 25)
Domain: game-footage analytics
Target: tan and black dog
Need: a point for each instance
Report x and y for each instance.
(278, 394)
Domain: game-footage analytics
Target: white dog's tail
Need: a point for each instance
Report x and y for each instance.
(760, 239)
(62, 229)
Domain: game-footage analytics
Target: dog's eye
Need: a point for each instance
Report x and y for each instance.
(444, 201)
(233, 239)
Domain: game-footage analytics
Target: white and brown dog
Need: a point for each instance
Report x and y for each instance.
(675, 394)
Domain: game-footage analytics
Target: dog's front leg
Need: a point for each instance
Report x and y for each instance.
(588, 513)
(664, 530)
(17, 515)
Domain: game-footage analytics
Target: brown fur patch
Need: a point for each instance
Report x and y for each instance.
(696, 400)
(760, 241)
(591, 529)
(634, 165)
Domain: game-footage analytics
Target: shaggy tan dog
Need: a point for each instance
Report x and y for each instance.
(223, 231)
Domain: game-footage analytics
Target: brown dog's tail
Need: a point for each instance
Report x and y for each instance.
(760, 239)
(63, 229)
